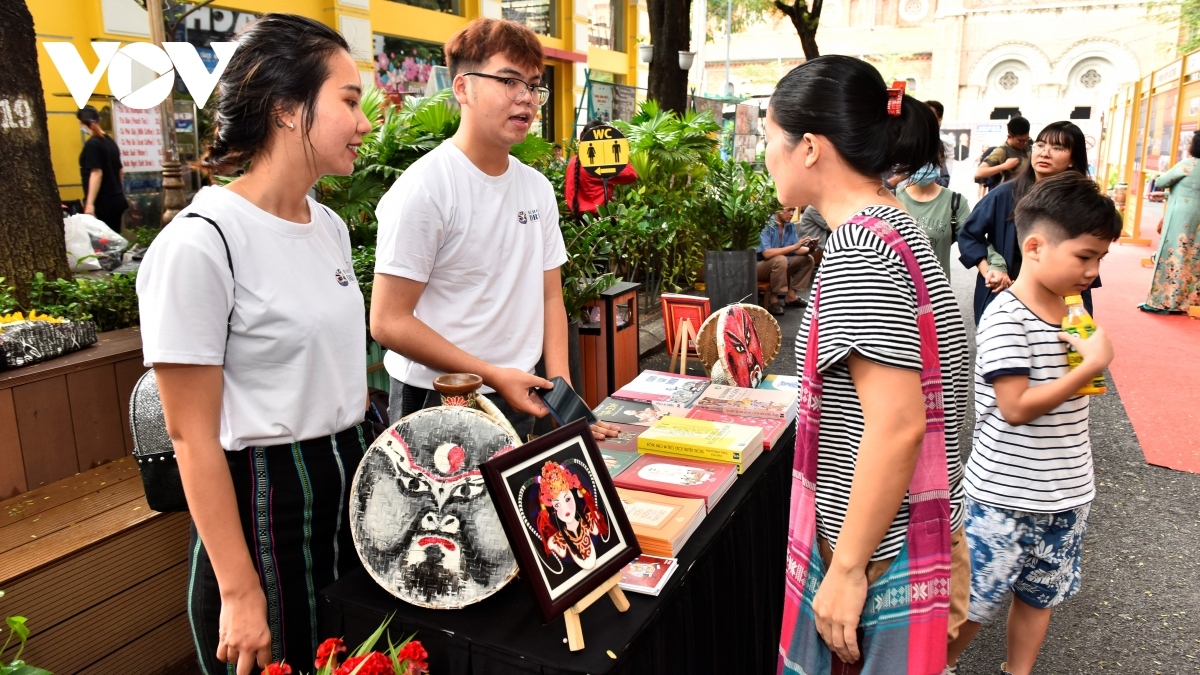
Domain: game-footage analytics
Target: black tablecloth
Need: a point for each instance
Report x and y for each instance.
(719, 613)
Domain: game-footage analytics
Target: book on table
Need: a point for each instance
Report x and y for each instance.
(678, 477)
(647, 574)
(749, 402)
(772, 427)
(661, 523)
(633, 413)
(781, 383)
(704, 440)
(654, 386)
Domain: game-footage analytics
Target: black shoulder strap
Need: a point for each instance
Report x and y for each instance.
(228, 258)
(955, 200)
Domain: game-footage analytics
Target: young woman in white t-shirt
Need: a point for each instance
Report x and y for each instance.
(833, 128)
(257, 336)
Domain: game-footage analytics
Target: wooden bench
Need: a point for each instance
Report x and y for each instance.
(69, 414)
(764, 294)
(101, 577)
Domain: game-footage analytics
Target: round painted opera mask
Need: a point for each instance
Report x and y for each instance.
(421, 517)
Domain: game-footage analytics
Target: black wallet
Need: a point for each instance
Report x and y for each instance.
(564, 404)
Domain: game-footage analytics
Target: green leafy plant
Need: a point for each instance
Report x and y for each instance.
(8, 298)
(110, 301)
(18, 629)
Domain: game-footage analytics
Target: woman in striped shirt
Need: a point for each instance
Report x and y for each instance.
(833, 128)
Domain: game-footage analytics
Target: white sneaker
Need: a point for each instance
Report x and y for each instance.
(1004, 669)
(950, 670)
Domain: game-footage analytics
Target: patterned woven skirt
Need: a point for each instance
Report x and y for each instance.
(293, 505)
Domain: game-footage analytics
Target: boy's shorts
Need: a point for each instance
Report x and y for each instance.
(1035, 555)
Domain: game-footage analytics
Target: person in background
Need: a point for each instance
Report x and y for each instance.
(1029, 480)
(253, 321)
(443, 302)
(1176, 283)
(1009, 159)
(558, 152)
(881, 312)
(938, 211)
(785, 261)
(584, 192)
(943, 178)
(988, 240)
(813, 226)
(101, 171)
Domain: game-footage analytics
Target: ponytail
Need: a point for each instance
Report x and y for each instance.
(281, 63)
(845, 100)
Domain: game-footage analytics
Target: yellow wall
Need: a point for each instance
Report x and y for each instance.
(81, 21)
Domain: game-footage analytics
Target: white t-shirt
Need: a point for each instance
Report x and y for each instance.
(1044, 466)
(869, 306)
(295, 362)
(480, 244)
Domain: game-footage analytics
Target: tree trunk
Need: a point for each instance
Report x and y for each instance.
(31, 229)
(806, 22)
(670, 33)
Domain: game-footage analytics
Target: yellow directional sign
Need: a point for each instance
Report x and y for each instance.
(603, 151)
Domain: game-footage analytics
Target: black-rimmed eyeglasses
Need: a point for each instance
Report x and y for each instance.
(517, 89)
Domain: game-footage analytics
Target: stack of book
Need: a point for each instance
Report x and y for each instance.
(654, 386)
(781, 383)
(766, 403)
(617, 411)
(772, 428)
(704, 440)
(677, 477)
(620, 451)
(661, 523)
(647, 574)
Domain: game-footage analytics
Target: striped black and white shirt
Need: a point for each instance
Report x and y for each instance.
(868, 305)
(1044, 466)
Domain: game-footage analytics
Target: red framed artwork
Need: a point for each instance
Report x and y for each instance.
(676, 308)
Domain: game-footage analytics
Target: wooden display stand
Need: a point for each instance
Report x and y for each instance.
(680, 350)
(571, 616)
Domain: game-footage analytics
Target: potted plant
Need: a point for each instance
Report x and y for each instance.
(645, 51)
(743, 202)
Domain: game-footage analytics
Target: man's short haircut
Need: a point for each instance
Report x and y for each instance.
(1018, 126)
(937, 108)
(87, 114)
(1067, 206)
(481, 39)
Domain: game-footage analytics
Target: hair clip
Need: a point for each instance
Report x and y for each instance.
(896, 97)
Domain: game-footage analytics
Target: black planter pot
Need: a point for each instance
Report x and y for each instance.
(729, 277)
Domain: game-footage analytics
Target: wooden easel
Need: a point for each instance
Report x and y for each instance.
(680, 349)
(571, 616)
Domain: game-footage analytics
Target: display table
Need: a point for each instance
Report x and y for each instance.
(719, 613)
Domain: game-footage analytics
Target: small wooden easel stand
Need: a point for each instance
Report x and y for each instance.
(571, 616)
(680, 349)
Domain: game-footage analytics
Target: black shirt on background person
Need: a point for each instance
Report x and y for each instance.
(100, 153)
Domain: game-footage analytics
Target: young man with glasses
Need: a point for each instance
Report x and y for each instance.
(469, 248)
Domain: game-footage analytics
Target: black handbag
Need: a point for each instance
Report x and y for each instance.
(152, 445)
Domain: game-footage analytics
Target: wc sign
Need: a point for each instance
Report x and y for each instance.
(178, 57)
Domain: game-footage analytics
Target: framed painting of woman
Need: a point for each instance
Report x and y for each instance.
(561, 513)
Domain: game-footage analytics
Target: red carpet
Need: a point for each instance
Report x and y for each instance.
(1157, 360)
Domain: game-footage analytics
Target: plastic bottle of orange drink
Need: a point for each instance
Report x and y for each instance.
(1079, 322)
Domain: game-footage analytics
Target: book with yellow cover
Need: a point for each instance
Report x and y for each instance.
(701, 439)
(662, 523)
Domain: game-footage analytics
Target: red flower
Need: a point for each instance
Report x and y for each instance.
(415, 654)
(278, 669)
(373, 663)
(329, 648)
